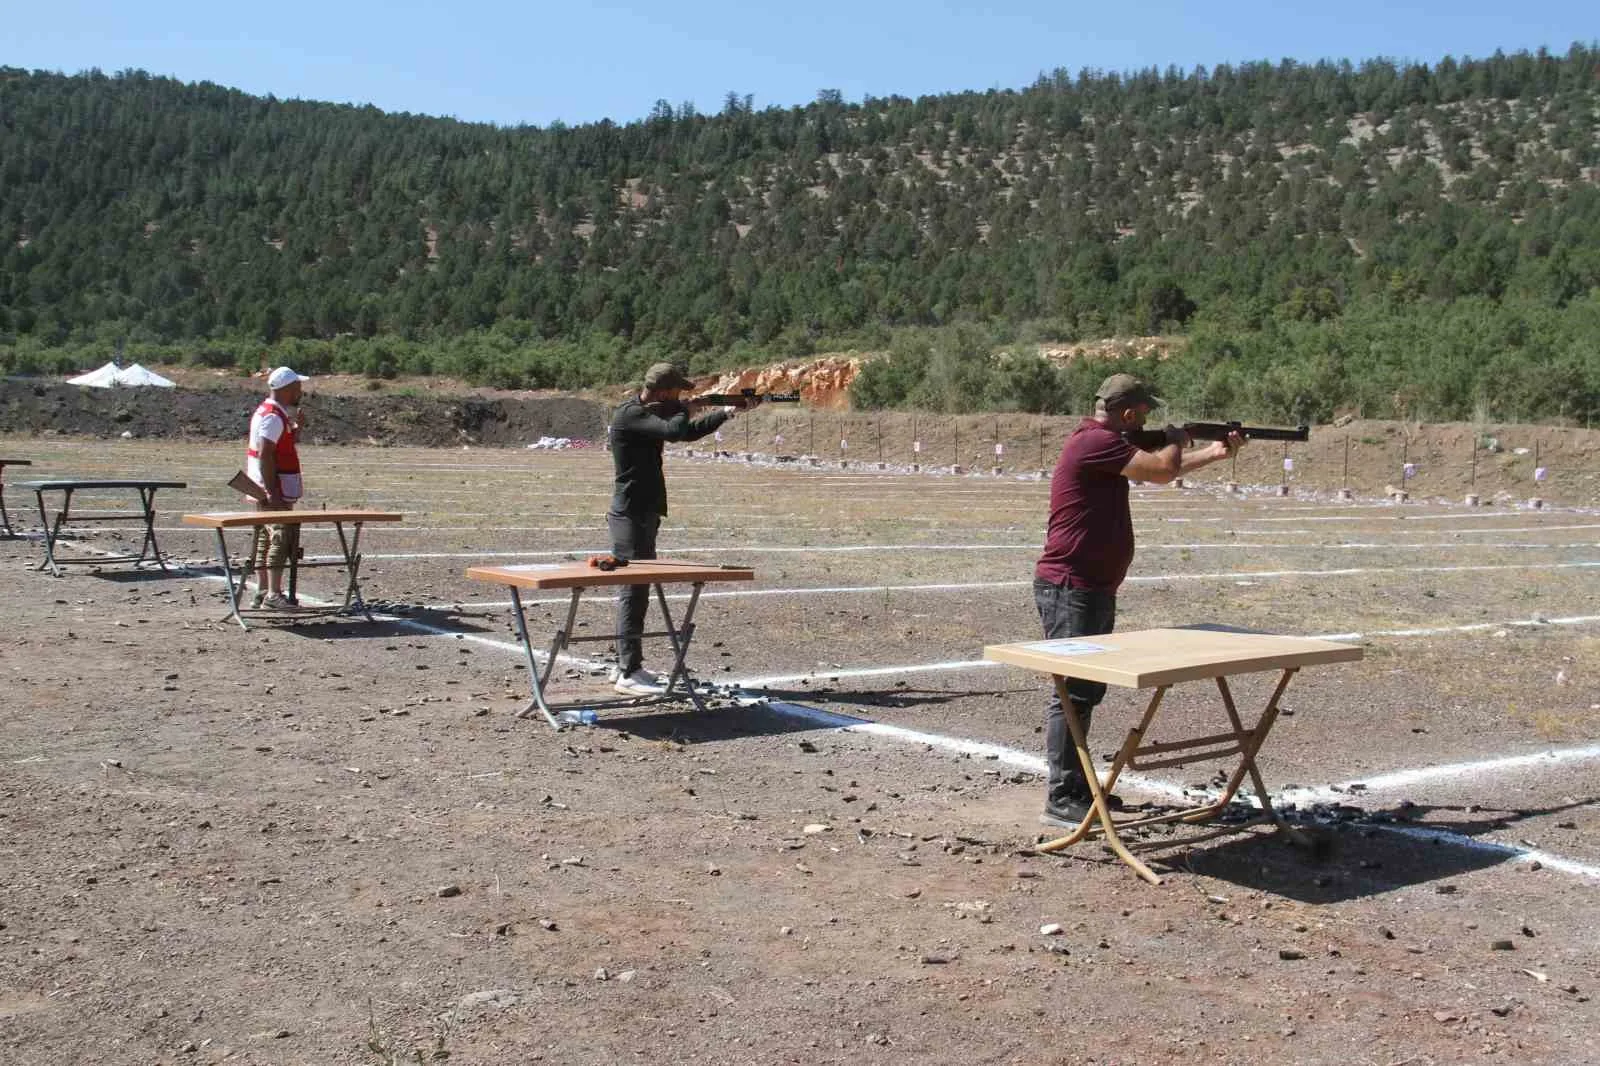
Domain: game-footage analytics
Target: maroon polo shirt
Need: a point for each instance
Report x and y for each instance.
(1089, 542)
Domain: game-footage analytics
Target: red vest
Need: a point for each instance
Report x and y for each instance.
(288, 458)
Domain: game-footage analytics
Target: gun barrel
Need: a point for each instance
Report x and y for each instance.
(747, 397)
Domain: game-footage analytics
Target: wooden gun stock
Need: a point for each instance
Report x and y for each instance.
(1150, 439)
(241, 483)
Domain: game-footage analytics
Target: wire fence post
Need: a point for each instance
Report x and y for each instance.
(1344, 483)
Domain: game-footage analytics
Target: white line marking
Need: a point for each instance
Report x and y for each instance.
(825, 549)
(1036, 764)
(1403, 779)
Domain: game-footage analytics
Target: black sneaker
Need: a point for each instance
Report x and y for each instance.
(1065, 815)
(1074, 809)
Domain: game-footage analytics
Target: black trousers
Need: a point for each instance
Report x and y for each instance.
(632, 537)
(1068, 612)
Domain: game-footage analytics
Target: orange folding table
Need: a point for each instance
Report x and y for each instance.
(1157, 659)
(580, 577)
(257, 521)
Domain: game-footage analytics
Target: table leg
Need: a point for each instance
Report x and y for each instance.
(52, 529)
(680, 636)
(147, 497)
(227, 577)
(1099, 815)
(352, 563)
(1250, 742)
(292, 549)
(5, 519)
(537, 680)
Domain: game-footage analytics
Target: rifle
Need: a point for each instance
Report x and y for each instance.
(1150, 439)
(744, 398)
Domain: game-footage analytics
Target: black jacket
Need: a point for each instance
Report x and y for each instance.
(637, 434)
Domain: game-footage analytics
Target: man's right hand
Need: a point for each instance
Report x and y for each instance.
(1176, 435)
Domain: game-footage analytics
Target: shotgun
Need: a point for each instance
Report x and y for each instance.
(242, 483)
(744, 398)
(1150, 439)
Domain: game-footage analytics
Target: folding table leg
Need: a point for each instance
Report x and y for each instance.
(227, 577)
(52, 530)
(536, 679)
(147, 500)
(352, 564)
(5, 518)
(292, 550)
(680, 636)
(1250, 743)
(1099, 807)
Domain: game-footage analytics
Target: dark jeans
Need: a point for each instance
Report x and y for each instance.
(1067, 612)
(632, 537)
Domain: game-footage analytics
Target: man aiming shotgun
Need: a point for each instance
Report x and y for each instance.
(1089, 547)
(640, 428)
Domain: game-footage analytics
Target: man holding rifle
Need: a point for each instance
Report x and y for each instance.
(1088, 549)
(273, 463)
(640, 428)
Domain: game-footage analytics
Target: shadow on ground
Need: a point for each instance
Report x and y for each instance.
(1350, 858)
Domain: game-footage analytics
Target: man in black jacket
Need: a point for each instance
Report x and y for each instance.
(639, 428)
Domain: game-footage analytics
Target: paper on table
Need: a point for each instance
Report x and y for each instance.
(522, 568)
(1066, 647)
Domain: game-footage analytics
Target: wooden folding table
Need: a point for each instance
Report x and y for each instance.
(257, 522)
(5, 519)
(1158, 659)
(146, 490)
(580, 577)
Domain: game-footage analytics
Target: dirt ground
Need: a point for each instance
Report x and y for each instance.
(336, 843)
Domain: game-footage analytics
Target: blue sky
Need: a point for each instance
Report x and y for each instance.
(584, 60)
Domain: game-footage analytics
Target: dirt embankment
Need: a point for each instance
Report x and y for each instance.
(410, 417)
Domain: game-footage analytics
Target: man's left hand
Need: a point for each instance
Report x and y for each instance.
(1222, 449)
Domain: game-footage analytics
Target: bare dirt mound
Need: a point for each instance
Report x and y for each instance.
(411, 418)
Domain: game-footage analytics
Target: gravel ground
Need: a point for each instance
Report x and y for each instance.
(336, 843)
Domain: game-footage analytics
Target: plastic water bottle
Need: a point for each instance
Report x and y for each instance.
(584, 717)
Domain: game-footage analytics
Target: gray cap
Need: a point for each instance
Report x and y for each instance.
(666, 376)
(1125, 390)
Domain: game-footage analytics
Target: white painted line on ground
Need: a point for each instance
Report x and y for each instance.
(1243, 576)
(1402, 779)
(1143, 783)
(831, 549)
(1135, 780)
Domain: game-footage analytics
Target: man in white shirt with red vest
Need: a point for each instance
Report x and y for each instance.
(273, 463)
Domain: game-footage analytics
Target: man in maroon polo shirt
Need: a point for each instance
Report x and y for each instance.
(1088, 549)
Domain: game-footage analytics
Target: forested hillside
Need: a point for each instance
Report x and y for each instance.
(1410, 240)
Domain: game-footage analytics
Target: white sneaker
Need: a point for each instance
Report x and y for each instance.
(276, 601)
(640, 683)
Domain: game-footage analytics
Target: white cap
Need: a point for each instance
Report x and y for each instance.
(283, 377)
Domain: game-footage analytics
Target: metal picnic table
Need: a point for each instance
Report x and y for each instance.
(144, 487)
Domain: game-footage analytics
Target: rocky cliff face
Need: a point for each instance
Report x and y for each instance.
(823, 384)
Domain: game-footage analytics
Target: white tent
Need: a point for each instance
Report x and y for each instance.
(104, 378)
(111, 376)
(138, 375)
